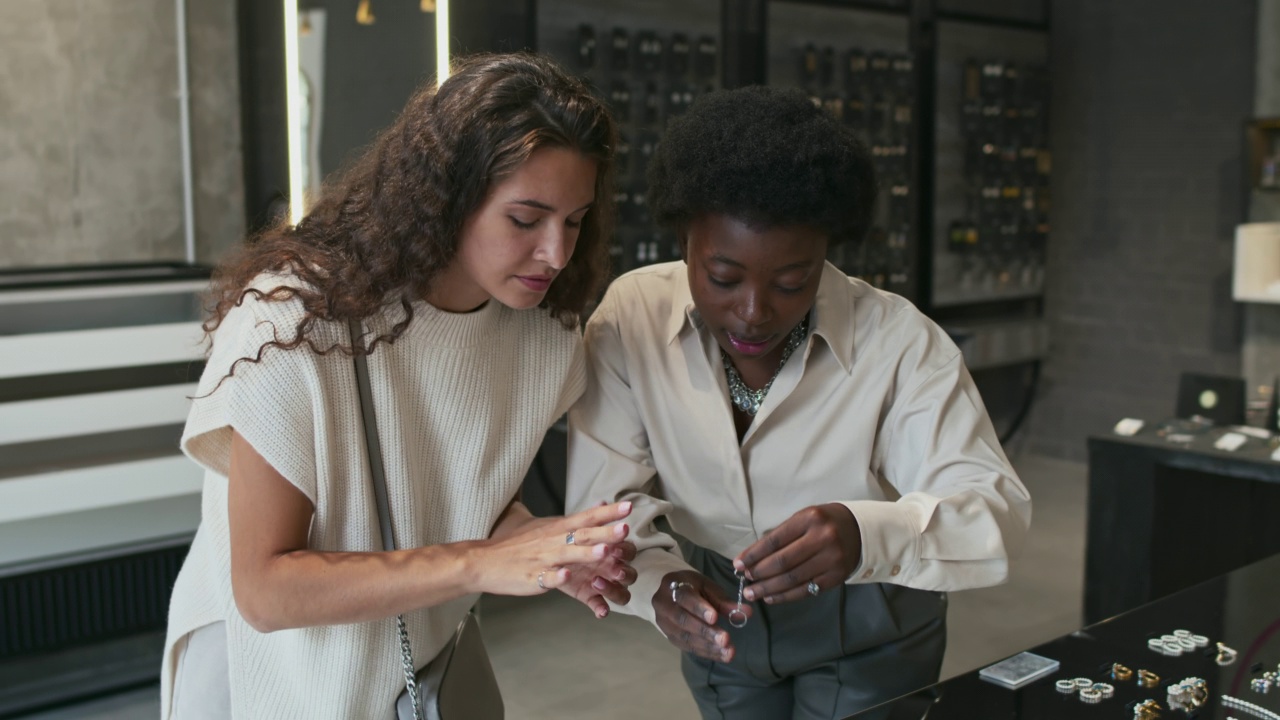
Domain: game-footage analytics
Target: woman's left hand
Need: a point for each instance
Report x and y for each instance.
(820, 544)
(589, 583)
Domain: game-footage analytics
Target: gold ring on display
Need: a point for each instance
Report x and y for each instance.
(1148, 710)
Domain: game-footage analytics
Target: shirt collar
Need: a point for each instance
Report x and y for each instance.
(832, 318)
(683, 311)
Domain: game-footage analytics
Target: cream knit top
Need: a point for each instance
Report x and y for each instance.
(463, 402)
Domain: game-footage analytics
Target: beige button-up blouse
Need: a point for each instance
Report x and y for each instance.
(875, 410)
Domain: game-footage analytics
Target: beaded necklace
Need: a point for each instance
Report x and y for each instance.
(746, 399)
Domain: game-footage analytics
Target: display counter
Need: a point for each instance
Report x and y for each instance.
(1168, 509)
(1240, 610)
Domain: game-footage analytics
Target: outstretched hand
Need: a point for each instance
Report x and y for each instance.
(533, 555)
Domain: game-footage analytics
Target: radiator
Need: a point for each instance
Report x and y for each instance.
(88, 602)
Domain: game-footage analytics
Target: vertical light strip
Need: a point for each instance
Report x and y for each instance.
(442, 41)
(184, 135)
(297, 183)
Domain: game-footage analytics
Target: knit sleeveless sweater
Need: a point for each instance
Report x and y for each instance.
(462, 402)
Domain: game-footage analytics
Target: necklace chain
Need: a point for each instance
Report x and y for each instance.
(746, 399)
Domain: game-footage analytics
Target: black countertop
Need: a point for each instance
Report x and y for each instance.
(1240, 609)
(1193, 448)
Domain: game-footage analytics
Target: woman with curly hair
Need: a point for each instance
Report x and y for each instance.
(464, 242)
(816, 443)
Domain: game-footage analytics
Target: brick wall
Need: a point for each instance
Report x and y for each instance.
(1149, 101)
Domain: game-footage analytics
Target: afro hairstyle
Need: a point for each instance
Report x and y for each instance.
(767, 157)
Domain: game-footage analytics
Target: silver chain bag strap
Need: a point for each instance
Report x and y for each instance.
(459, 682)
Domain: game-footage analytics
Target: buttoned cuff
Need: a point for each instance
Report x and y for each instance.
(890, 542)
(651, 566)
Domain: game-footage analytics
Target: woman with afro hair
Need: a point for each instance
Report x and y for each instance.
(806, 437)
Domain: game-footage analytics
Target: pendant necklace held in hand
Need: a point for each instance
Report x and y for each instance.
(737, 617)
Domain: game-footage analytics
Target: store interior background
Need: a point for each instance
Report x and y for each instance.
(1149, 101)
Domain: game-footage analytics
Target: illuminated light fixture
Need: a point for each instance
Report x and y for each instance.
(364, 13)
(293, 111)
(293, 89)
(442, 40)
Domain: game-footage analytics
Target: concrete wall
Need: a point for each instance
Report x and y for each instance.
(90, 163)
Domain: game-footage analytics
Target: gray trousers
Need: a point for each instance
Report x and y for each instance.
(821, 658)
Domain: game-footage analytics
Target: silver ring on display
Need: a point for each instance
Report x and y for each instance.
(737, 618)
(813, 588)
(540, 584)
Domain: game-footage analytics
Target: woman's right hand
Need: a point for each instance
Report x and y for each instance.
(689, 618)
(537, 550)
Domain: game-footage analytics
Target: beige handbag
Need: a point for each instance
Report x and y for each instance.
(458, 684)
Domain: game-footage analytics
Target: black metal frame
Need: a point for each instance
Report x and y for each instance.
(263, 109)
(50, 276)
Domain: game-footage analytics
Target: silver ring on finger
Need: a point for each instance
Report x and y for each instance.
(568, 539)
(813, 588)
(675, 590)
(540, 583)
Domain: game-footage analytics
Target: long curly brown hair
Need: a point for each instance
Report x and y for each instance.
(380, 232)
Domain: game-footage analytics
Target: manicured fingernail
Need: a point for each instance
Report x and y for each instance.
(598, 584)
(749, 594)
(625, 507)
(739, 565)
(770, 600)
(599, 550)
(620, 530)
(602, 614)
(710, 617)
